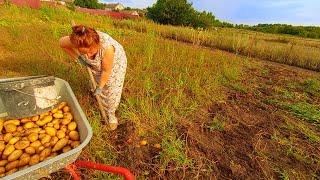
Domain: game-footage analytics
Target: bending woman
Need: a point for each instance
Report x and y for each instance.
(107, 61)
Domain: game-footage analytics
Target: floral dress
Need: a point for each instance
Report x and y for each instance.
(111, 93)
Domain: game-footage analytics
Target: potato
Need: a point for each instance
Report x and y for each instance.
(11, 171)
(10, 128)
(40, 149)
(44, 115)
(44, 120)
(58, 115)
(1, 124)
(4, 156)
(19, 128)
(49, 125)
(45, 153)
(48, 144)
(22, 144)
(7, 137)
(36, 144)
(54, 110)
(42, 131)
(35, 118)
(28, 125)
(33, 130)
(51, 131)
(33, 137)
(42, 136)
(65, 121)
(25, 120)
(60, 144)
(64, 128)
(17, 133)
(15, 122)
(15, 155)
(75, 144)
(14, 140)
(66, 149)
(24, 155)
(61, 134)
(56, 121)
(74, 135)
(1, 137)
(3, 162)
(56, 126)
(54, 140)
(24, 139)
(30, 150)
(2, 170)
(12, 165)
(66, 109)
(68, 115)
(24, 161)
(8, 150)
(34, 159)
(2, 146)
(72, 126)
(46, 139)
(61, 105)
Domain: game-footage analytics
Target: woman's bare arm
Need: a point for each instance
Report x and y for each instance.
(68, 47)
(106, 66)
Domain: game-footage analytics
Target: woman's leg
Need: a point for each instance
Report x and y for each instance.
(111, 95)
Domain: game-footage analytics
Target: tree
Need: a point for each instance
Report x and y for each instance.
(92, 4)
(204, 20)
(174, 12)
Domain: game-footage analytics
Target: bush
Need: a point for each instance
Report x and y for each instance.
(179, 12)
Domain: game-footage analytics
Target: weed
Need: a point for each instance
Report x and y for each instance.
(173, 151)
(311, 86)
(217, 124)
(305, 110)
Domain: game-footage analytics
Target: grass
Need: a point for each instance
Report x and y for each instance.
(217, 124)
(166, 81)
(284, 49)
(306, 111)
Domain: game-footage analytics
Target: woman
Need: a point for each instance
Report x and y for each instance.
(107, 61)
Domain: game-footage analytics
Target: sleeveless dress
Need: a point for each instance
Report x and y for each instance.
(111, 93)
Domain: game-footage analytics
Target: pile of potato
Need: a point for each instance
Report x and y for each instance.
(28, 141)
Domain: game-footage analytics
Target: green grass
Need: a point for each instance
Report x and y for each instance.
(305, 110)
(217, 124)
(311, 86)
(166, 80)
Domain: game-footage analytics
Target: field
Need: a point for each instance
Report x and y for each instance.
(218, 109)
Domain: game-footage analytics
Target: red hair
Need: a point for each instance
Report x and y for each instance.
(84, 37)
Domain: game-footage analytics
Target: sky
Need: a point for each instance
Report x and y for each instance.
(296, 12)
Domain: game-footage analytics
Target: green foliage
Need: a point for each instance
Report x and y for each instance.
(311, 86)
(175, 12)
(180, 12)
(91, 4)
(216, 125)
(303, 31)
(305, 110)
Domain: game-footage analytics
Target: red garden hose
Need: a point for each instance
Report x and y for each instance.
(72, 169)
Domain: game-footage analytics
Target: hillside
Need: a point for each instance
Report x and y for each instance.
(216, 113)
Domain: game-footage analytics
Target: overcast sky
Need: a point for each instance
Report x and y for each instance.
(297, 12)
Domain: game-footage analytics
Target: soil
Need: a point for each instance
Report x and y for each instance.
(247, 147)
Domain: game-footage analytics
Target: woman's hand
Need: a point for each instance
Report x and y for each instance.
(98, 91)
